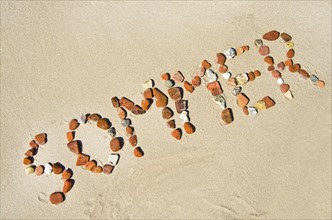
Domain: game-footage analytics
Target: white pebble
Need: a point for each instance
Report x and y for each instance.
(252, 111)
(113, 159)
(148, 84)
(212, 76)
(48, 168)
(280, 81)
(242, 78)
(220, 100)
(230, 53)
(226, 75)
(82, 119)
(29, 170)
(184, 117)
(288, 95)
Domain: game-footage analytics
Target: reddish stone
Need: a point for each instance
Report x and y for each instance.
(188, 87)
(73, 124)
(206, 64)
(251, 76)
(284, 87)
(70, 135)
(189, 128)
(165, 76)
(133, 140)
(57, 197)
(221, 58)
(115, 102)
(269, 60)
(40, 139)
(160, 97)
(148, 94)
(94, 117)
(33, 144)
(126, 103)
(67, 186)
(167, 113)
(177, 133)
(122, 113)
(171, 123)
(146, 103)
(107, 169)
(215, 88)
(175, 93)
(196, 81)
(242, 100)
(223, 68)
(290, 53)
(138, 152)
(82, 159)
(264, 50)
(74, 147)
(269, 102)
(177, 77)
(257, 73)
(116, 144)
(227, 115)
(276, 74)
(304, 73)
(104, 124)
(271, 35)
(137, 110)
(281, 66)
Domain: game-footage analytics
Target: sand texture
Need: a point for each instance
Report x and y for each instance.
(62, 59)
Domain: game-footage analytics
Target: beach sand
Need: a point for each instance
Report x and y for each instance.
(62, 59)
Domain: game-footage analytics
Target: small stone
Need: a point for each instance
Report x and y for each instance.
(33, 144)
(252, 111)
(281, 66)
(289, 62)
(40, 139)
(284, 88)
(206, 64)
(67, 186)
(67, 174)
(169, 83)
(257, 73)
(196, 81)
(270, 68)
(286, 37)
(113, 159)
(104, 124)
(200, 72)
(271, 35)
(223, 69)
(264, 50)
(98, 169)
(258, 42)
(314, 79)
(245, 47)
(90, 165)
(133, 140)
(215, 88)
(165, 76)
(280, 81)
(320, 84)
(57, 197)
(28, 160)
(148, 94)
(237, 90)
(269, 102)
(296, 67)
(148, 84)
(181, 105)
(30, 152)
(126, 103)
(242, 100)
(242, 78)
(137, 110)
(39, 170)
(82, 159)
(212, 76)
(230, 53)
(178, 77)
(48, 168)
(290, 53)
(125, 122)
(251, 76)
(130, 130)
(177, 133)
(184, 117)
(160, 97)
(289, 45)
(115, 102)
(70, 135)
(94, 117)
(116, 144)
(171, 123)
(260, 105)
(245, 110)
(288, 95)
(111, 132)
(146, 104)
(30, 170)
(167, 113)
(304, 73)
(73, 124)
(220, 100)
(232, 81)
(189, 128)
(226, 75)
(57, 168)
(122, 113)
(175, 93)
(269, 60)
(138, 152)
(187, 86)
(107, 169)
(74, 147)
(82, 119)
(239, 51)
(221, 58)
(227, 115)
(276, 74)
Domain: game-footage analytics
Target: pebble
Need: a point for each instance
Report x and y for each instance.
(169, 83)
(239, 51)
(314, 79)
(130, 130)
(125, 122)
(57, 168)
(33, 144)
(230, 53)
(112, 132)
(30, 152)
(39, 170)
(70, 135)
(165, 76)
(297, 67)
(251, 76)
(242, 100)
(269, 60)
(270, 68)
(113, 159)
(94, 117)
(148, 84)
(304, 73)
(242, 79)
(175, 93)
(289, 45)
(48, 168)
(146, 104)
(67, 186)
(115, 102)
(288, 95)
(200, 72)
(41, 138)
(167, 113)
(290, 53)
(284, 87)
(281, 66)
(227, 116)
(196, 81)
(245, 47)
(98, 169)
(189, 128)
(122, 113)
(184, 117)
(137, 110)
(258, 42)
(220, 58)
(178, 77)
(28, 160)
(104, 124)
(257, 73)
(320, 84)
(226, 75)
(126, 103)
(280, 81)
(181, 105)
(133, 140)
(271, 35)
(171, 123)
(245, 110)
(232, 81)
(116, 144)
(223, 68)
(276, 74)
(138, 152)
(57, 197)
(30, 170)
(237, 90)
(215, 88)
(82, 159)
(252, 111)
(108, 168)
(206, 64)
(67, 174)
(188, 87)
(286, 37)
(260, 105)
(212, 76)
(148, 94)
(177, 133)
(74, 147)
(160, 97)
(220, 100)
(289, 62)
(269, 102)
(264, 50)
(91, 165)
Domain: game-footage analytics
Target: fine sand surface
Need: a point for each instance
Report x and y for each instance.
(62, 59)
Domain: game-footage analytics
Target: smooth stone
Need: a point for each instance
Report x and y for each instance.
(165, 76)
(252, 111)
(242, 100)
(280, 81)
(227, 115)
(40, 138)
(251, 76)
(237, 90)
(286, 37)
(94, 117)
(57, 168)
(288, 95)
(260, 105)
(113, 159)
(184, 117)
(116, 144)
(108, 168)
(200, 72)
(111, 132)
(83, 119)
(138, 152)
(304, 73)
(178, 77)
(188, 87)
(189, 128)
(66, 174)
(104, 123)
(230, 53)
(160, 98)
(169, 83)
(181, 105)
(258, 42)
(126, 103)
(223, 68)
(245, 110)
(126, 122)
(148, 84)
(57, 197)
(177, 133)
(220, 58)
(31, 152)
(276, 74)
(48, 168)
(264, 50)
(215, 88)
(171, 123)
(137, 110)
(271, 35)
(70, 135)
(196, 81)
(290, 53)
(220, 100)
(82, 159)
(206, 64)
(232, 82)
(133, 140)
(122, 113)
(175, 93)
(115, 102)
(281, 66)
(148, 94)
(269, 60)
(30, 170)
(28, 160)
(74, 147)
(257, 73)
(320, 84)
(314, 79)
(211, 75)
(284, 87)
(167, 113)
(33, 144)
(129, 131)
(269, 102)
(98, 169)
(242, 78)
(67, 185)
(226, 75)
(39, 170)
(146, 104)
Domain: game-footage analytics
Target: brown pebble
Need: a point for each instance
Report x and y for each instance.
(146, 104)
(33, 144)
(290, 53)
(122, 113)
(245, 47)
(73, 124)
(297, 67)
(177, 77)
(251, 76)
(165, 76)
(289, 62)
(171, 123)
(286, 37)
(28, 160)
(107, 169)
(57, 197)
(284, 87)
(245, 110)
(181, 105)
(98, 169)
(148, 94)
(206, 64)
(264, 50)
(276, 74)
(57, 168)
(160, 98)
(175, 93)
(126, 103)
(167, 113)
(67, 185)
(41, 138)
(281, 66)
(94, 117)
(223, 68)
(39, 170)
(74, 147)
(129, 130)
(215, 88)
(304, 73)
(138, 152)
(91, 165)
(67, 174)
(82, 159)
(271, 35)
(177, 133)
(221, 58)
(115, 102)
(133, 140)
(257, 73)
(292, 69)
(116, 144)
(227, 115)
(104, 124)
(188, 87)
(242, 100)
(70, 135)
(137, 110)
(270, 68)
(196, 81)
(189, 128)
(31, 152)
(269, 102)
(269, 60)
(320, 84)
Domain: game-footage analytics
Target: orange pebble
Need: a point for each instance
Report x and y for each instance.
(206, 64)
(70, 135)
(138, 152)
(320, 83)
(165, 76)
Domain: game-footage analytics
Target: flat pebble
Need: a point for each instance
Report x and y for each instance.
(281, 66)
(39, 170)
(133, 140)
(215, 88)
(175, 93)
(251, 76)
(30, 170)
(230, 53)
(67, 185)
(108, 168)
(223, 69)
(57, 197)
(165, 76)
(232, 81)
(94, 117)
(320, 84)
(48, 168)
(148, 84)
(146, 104)
(41, 138)
(74, 147)
(177, 133)
(113, 159)
(178, 77)
(252, 111)
(82, 159)
(196, 81)
(226, 75)
(264, 50)
(189, 128)
(271, 35)
(104, 124)
(160, 98)
(169, 83)
(184, 116)
(126, 103)
(242, 78)
(220, 100)
(237, 90)
(181, 105)
(188, 87)
(227, 116)
(73, 124)
(242, 100)
(126, 122)
(137, 110)
(286, 37)
(211, 75)
(206, 64)
(220, 58)
(257, 73)
(167, 113)
(33, 144)
(288, 95)
(258, 42)
(171, 123)
(138, 152)
(116, 144)
(280, 81)
(148, 94)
